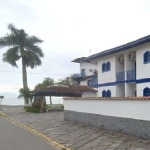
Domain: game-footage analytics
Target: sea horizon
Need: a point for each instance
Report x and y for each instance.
(16, 101)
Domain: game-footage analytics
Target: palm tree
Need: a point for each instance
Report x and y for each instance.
(21, 46)
(25, 93)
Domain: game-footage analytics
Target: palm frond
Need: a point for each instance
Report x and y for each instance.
(27, 46)
(32, 60)
(9, 40)
(13, 30)
(25, 93)
(35, 49)
(33, 40)
(11, 56)
(20, 96)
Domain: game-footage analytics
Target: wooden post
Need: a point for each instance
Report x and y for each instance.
(50, 101)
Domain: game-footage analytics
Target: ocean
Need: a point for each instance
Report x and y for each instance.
(15, 101)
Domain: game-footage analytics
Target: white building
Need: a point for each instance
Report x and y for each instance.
(118, 72)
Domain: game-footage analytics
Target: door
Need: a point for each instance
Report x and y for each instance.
(83, 72)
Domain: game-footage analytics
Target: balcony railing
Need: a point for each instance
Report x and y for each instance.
(131, 75)
(120, 76)
(79, 75)
(93, 82)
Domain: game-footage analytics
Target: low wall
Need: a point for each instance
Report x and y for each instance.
(130, 115)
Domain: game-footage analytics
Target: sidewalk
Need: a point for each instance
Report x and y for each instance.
(75, 136)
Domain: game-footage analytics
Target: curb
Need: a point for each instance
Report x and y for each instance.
(54, 143)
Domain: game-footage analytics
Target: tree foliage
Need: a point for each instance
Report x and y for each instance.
(21, 46)
(1, 97)
(67, 81)
(47, 82)
(25, 93)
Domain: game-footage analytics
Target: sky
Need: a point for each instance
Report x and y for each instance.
(69, 29)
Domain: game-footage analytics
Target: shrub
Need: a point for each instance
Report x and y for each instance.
(32, 109)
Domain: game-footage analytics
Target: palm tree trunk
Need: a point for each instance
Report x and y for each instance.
(24, 77)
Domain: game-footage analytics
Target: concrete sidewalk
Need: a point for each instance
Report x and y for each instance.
(75, 136)
(13, 137)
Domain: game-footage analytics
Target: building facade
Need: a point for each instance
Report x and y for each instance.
(118, 72)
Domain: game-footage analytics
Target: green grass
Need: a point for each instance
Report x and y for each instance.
(54, 106)
(32, 109)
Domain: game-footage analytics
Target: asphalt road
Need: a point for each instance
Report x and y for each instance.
(13, 137)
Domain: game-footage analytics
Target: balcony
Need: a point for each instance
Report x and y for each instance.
(79, 75)
(120, 76)
(131, 75)
(93, 82)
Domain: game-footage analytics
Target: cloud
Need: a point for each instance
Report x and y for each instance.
(69, 29)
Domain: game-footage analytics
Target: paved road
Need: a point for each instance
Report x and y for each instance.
(13, 137)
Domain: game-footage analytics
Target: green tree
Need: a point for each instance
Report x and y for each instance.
(47, 82)
(24, 47)
(25, 93)
(67, 81)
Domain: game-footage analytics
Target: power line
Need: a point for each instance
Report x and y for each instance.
(34, 73)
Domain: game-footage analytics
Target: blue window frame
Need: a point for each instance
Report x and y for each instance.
(108, 66)
(108, 93)
(146, 57)
(104, 94)
(146, 91)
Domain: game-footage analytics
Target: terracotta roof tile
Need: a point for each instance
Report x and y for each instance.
(83, 88)
(58, 89)
(109, 98)
(78, 88)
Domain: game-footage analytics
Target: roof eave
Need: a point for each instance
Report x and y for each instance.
(120, 48)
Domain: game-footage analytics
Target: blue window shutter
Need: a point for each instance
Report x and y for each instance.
(108, 66)
(146, 91)
(108, 93)
(104, 93)
(103, 67)
(146, 57)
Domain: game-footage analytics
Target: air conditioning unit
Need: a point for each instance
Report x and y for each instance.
(130, 57)
(120, 59)
(95, 71)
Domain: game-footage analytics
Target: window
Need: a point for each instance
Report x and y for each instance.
(147, 57)
(108, 93)
(89, 83)
(146, 92)
(104, 93)
(108, 66)
(103, 67)
(83, 72)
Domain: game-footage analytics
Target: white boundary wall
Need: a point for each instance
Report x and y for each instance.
(135, 109)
